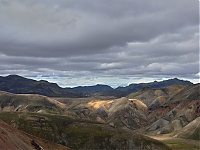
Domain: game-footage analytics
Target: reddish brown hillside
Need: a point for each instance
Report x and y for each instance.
(11, 139)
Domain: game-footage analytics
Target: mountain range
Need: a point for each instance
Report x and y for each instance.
(99, 117)
(72, 122)
(137, 87)
(94, 88)
(20, 85)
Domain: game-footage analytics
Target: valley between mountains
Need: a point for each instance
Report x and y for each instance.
(155, 116)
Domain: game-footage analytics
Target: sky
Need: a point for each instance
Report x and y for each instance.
(88, 42)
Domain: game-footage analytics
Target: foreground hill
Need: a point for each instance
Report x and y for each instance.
(20, 85)
(11, 139)
(78, 133)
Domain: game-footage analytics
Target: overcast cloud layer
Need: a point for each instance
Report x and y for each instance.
(76, 42)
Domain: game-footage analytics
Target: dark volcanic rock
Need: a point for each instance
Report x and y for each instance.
(20, 85)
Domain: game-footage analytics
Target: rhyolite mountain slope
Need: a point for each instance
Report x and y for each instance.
(156, 108)
(20, 85)
(10, 102)
(13, 139)
(190, 131)
(177, 112)
(47, 118)
(154, 97)
(120, 112)
(127, 112)
(144, 108)
(138, 110)
(116, 112)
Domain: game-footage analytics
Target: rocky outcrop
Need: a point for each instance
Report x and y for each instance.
(179, 111)
(190, 131)
(158, 124)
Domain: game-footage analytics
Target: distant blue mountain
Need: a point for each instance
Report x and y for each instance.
(21, 85)
(137, 87)
(94, 88)
(106, 90)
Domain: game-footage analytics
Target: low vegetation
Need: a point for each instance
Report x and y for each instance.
(175, 145)
(77, 133)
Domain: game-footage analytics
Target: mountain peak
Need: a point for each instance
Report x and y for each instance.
(14, 76)
(93, 88)
(20, 85)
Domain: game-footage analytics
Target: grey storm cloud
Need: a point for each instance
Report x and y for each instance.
(108, 38)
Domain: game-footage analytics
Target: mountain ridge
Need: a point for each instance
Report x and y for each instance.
(137, 87)
(21, 85)
(92, 88)
(151, 111)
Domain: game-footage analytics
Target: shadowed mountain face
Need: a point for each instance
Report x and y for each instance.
(105, 90)
(137, 87)
(95, 88)
(20, 85)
